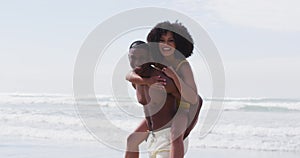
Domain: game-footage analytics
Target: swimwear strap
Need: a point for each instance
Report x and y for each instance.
(184, 105)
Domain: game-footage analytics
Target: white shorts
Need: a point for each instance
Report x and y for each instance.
(159, 144)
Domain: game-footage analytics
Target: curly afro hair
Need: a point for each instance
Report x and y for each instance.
(183, 40)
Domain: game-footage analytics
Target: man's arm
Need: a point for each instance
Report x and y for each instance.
(140, 94)
(135, 78)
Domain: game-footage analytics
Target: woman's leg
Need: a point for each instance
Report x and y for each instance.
(178, 128)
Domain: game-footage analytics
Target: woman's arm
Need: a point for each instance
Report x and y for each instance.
(185, 84)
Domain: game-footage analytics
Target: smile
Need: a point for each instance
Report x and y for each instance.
(166, 48)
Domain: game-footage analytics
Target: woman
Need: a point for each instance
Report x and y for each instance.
(172, 44)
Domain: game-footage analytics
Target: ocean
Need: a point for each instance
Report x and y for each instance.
(262, 124)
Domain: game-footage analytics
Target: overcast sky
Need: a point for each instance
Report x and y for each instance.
(258, 42)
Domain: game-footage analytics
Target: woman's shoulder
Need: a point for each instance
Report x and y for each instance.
(183, 64)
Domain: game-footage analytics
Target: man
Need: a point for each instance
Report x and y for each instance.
(158, 94)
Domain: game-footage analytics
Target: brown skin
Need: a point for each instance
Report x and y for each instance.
(160, 110)
(161, 99)
(184, 81)
(167, 47)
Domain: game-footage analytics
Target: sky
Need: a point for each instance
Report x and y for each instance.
(258, 42)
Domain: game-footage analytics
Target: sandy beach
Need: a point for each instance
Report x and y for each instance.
(35, 148)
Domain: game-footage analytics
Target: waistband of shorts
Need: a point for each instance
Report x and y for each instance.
(162, 131)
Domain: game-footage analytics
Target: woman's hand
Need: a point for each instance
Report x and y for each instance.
(155, 79)
(170, 72)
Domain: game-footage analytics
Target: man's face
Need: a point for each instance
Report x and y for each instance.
(138, 57)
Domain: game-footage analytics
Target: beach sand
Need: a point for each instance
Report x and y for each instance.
(37, 148)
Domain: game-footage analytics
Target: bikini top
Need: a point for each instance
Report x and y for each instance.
(182, 104)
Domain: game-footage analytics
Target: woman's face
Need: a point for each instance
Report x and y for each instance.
(167, 44)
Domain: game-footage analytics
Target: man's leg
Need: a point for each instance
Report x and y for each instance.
(135, 139)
